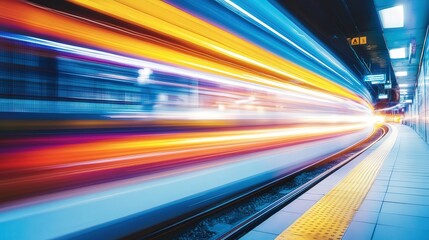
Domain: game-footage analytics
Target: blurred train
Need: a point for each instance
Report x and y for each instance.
(50, 80)
(247, 115)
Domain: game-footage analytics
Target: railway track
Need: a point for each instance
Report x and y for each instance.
(234, 217)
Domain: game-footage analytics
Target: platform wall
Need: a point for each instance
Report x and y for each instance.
(417, 113)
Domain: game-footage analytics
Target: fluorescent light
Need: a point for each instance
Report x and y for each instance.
(382, 96)
(392, 17)
(397, 53)
(401, 73)
(408, 101)
(144, 75)
(403, 85)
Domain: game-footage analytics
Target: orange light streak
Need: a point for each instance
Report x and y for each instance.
(158, 148)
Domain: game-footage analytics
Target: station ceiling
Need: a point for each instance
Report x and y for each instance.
(353, 30)
(411, 35)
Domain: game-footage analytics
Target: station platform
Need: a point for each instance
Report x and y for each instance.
(382, 194)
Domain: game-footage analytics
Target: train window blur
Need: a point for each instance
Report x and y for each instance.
(40, 80)
(23, 74)
(97, 81)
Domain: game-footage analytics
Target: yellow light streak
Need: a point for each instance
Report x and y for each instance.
(168, 20)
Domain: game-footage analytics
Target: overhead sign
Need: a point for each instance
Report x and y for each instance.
(376, 78)
(357, 40)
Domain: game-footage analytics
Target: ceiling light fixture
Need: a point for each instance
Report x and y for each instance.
(392, 17)
(401, 73)
(397, 53)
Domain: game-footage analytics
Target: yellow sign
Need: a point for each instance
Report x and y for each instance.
(357, 40)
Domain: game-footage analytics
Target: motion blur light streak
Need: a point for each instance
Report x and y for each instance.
(157, 16)
(25, 168)
(173, 70)
(148, 111)
(79, 152)
(246, 13)
(168, 69)
(139, 196)
(296, 47)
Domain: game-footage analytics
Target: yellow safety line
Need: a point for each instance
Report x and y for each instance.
(330, 217)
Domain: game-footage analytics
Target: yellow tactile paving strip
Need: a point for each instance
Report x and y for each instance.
(330, 217)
